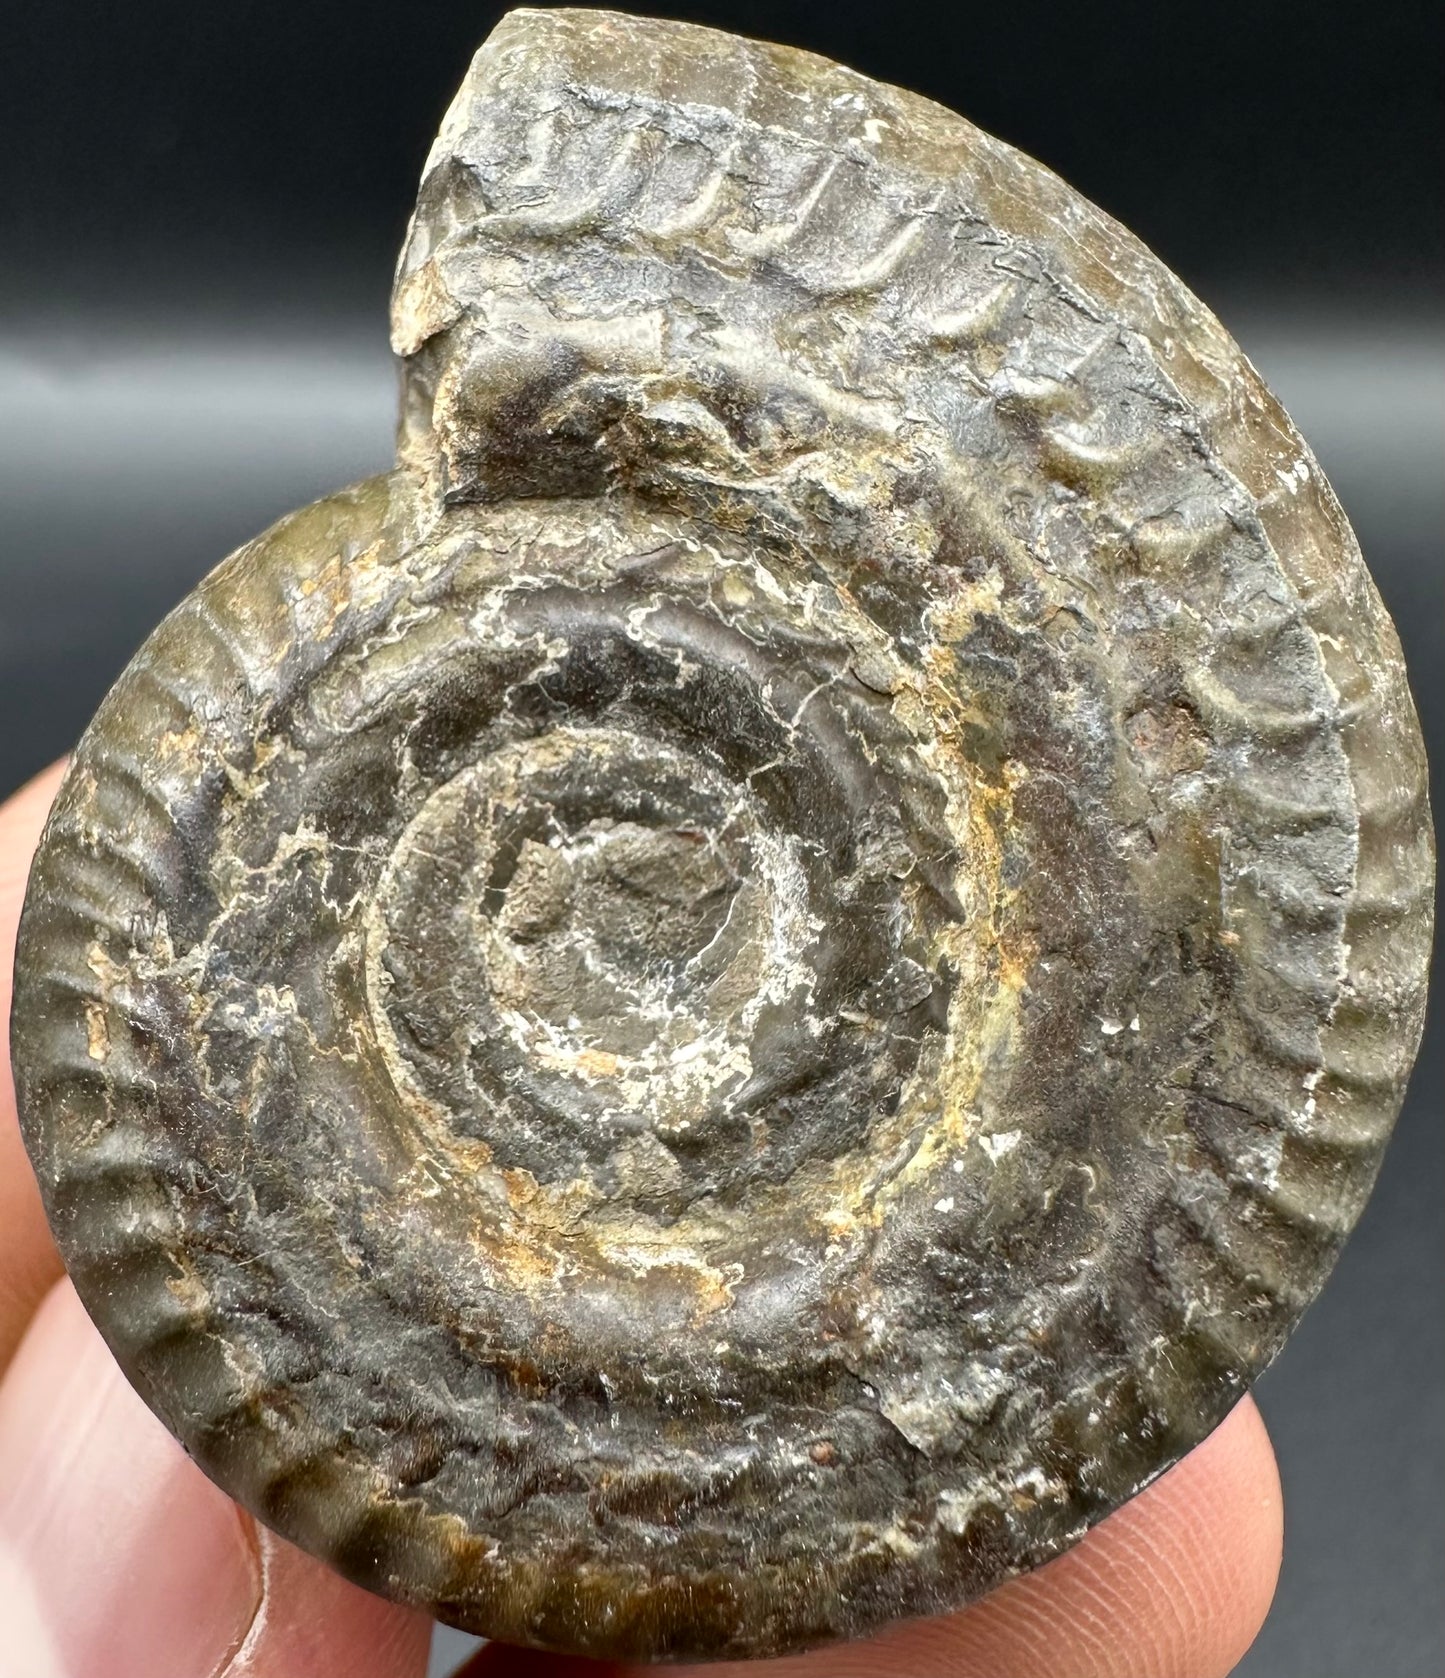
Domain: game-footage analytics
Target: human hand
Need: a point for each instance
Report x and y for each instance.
(119, 1559)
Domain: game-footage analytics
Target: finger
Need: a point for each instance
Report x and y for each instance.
(118, 1556)
(29, 1263)
(1173, 1585)
(311, 1621)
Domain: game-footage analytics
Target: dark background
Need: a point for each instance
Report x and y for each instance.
(200, 205)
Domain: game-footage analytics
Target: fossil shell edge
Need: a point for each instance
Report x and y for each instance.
(732, 1004)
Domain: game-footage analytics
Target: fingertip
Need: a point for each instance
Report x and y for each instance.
(506, 1660)
(22, 820)
(122, 1557)
(1175, 1584)
(24, 811)
(29, 1263)
(313, 1621)
(1222, 1509)
(118, 1556)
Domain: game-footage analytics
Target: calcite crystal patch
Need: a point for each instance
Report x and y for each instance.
(740, 998)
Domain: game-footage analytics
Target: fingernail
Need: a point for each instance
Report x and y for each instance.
(118, 1555)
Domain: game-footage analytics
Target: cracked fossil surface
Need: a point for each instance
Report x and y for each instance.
(740, 998)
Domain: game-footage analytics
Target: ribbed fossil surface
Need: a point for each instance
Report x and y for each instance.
(742, 997)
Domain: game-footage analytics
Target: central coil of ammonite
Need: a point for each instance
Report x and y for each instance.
(661, 930)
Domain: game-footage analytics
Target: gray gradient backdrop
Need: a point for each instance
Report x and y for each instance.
(160, 403)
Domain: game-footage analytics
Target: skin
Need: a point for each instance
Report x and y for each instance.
(118, 1556)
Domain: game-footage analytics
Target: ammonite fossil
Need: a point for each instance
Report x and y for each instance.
(737, 1000)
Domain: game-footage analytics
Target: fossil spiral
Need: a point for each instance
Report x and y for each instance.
(747, 993)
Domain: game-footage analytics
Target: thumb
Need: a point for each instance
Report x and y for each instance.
(117, 1555)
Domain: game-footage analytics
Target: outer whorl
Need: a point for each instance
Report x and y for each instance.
(746, 994)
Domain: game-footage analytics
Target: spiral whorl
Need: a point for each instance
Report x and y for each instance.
(743, 996)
